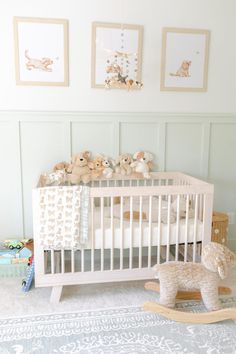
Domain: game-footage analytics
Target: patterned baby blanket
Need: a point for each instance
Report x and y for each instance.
(63, 216)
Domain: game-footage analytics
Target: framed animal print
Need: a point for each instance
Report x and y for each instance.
(184, 62)
(41, 51)
(116, 55)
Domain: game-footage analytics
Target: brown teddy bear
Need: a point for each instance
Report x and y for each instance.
(123, 163)
(61, 166)
(78, 169)
(96, 167)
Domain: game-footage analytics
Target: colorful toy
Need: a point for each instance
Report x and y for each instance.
(216, 261)
(27, 282)
(143, 163)
(14, 243)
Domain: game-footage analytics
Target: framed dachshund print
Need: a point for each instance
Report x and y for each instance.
(116, 55)
(41, 51)
(184, 62)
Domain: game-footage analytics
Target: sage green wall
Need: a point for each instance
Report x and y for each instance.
(202, 145)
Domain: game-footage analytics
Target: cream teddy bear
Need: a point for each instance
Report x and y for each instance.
(173, 211)
(123, 163)
(173, 276)
(143, 163)
(78, 169)
(96, 167)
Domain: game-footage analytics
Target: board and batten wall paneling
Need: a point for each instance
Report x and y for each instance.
(32, 142)
(42, 145)
(222, 169)
(184, 147)
(11, 212)
(137, 136)
(93, 136)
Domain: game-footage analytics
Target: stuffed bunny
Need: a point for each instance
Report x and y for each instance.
(173, 276)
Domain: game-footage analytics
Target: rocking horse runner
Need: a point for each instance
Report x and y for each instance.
(173, 276)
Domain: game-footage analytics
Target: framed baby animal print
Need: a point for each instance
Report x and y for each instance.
(184, 63)
(41, 51)
(116, 55)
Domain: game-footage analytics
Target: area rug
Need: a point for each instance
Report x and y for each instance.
(116, 330)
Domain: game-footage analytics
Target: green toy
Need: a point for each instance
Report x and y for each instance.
(12, 244)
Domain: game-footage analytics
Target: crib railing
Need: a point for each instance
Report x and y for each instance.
(123, 249)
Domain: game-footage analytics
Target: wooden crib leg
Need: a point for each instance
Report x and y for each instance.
(56, 294)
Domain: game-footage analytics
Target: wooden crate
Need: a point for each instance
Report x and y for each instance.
(219, 232)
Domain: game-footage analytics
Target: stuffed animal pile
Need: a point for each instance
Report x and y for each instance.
(84, 169)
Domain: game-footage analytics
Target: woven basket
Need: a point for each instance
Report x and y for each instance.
(219, 232)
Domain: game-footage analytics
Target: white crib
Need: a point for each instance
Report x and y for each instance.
(121, 249)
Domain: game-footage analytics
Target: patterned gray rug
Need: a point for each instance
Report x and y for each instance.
(117, 330)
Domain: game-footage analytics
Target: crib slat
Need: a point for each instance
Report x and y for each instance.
(52, 262)
(150, 232)
(159, 230)
(140, 230)
(82, 260)
(62, 261)
(102, 231)
(131, 234)
(72, 261)
(112, 233)
(186, 229)
(168, 228)
(121, 231)
(177, 229)
(92, 234)
(195, 227)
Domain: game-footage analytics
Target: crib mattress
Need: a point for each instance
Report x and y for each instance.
(140, 237)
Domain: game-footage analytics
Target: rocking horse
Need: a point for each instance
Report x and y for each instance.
(188, 277)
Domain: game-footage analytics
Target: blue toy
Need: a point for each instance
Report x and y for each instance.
(26, 283)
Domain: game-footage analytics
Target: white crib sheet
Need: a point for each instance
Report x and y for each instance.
(107, 233)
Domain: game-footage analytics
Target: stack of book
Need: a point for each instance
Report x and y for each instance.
(14, 257)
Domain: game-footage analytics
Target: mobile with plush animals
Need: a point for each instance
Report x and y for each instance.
(122, 67)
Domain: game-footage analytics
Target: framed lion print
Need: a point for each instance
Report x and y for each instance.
(184, 62)
(41, 51)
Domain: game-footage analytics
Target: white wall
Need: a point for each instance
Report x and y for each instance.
(216, 15)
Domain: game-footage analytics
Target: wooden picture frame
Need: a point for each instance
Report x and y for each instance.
(41, 51)
(111, 38)
(184, 59)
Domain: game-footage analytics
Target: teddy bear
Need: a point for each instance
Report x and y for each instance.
(61, 166)
(79, 170)
(123, 163)
(174, 209)
(143, 163)
(107, 166)
(217, 259)
(96, 167)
